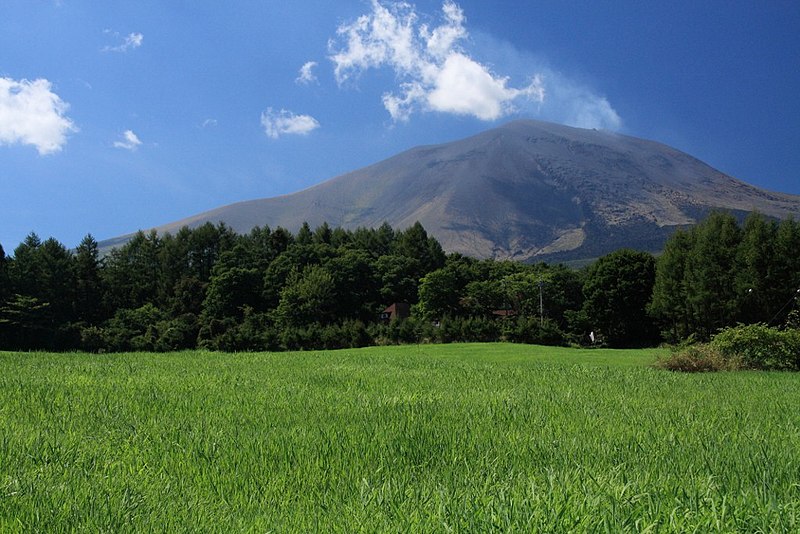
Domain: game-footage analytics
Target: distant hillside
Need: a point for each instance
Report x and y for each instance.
(527, 190)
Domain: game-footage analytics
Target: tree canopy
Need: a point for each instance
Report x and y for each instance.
(327, 287)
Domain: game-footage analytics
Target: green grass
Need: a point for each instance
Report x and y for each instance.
(463, 438)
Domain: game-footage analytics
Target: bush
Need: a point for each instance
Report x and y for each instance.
(697, 359)
(480, 329)
(534, 331)
(760, 347)
(754, 346)
(177, 334)
(93, 339)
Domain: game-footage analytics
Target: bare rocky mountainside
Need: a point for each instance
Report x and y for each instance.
(527, 190)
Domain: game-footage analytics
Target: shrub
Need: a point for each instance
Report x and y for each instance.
(760, 347)
(533, 331)
(177, 334)
(93, 339)
(697, 359)
(480, 329)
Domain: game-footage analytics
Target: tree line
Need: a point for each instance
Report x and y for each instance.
(326, 287)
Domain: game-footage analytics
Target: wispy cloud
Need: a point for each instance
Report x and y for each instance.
(32, 114)
(209, 123)
(307, 75)
(576, 105)
(435, 73)
(128, 42)
(569, 100)
(130, 141)
(283, 122)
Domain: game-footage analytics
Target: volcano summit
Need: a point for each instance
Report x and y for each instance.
(527, 190)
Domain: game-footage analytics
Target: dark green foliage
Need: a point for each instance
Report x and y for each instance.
(5, 283)
(304, 236)
(758, 346)
(308, 296)
(133, 272)
(230, 291)
(718, 274)
(785, 270)
(752, 346)
(535, 331)
(326, 288)
(356, 287)
(754, 278)
(439, 293)
(415, 243)
(89, 288)
(25, 321)
(39, 308)
(711, 276)
(5, 292)
(134, 329)
(617, 290)
(25, 270)
(397, 278)
(411, 330)
(670, 302)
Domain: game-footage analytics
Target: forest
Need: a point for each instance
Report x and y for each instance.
(327, 288)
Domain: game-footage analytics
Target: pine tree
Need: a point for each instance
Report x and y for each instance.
(669, 305)
(754, 270)
(617, 290)
(710, 279)
(88, 283)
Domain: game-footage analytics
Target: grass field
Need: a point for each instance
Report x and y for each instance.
(463, 438)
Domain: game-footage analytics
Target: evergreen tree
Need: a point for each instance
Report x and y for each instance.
(5, 293)
(356, 286)
(25, 270)
(786, 269)
(43, 285)
(753, 271)
(669, 305)
(304, 235)
(322, 234)
(89, 294)
(133, 272)
(415, 243)
(710, 279)
(617, 290)
(281, 239)
(5, 282)
(398, 279)
(260, 247)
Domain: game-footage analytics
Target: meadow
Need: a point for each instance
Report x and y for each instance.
(428, 438)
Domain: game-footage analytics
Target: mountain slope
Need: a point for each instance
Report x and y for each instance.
(526, 190)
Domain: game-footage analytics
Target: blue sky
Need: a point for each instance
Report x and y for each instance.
(116, 116)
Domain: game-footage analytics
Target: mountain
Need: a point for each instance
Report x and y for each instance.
(527, 190)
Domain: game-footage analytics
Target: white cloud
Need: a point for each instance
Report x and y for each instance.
(130, 41)
(435, 73)
(31, 114)
(283, 122)
(465, 87)
(208, 123)
(307, 75)
(130, 141)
